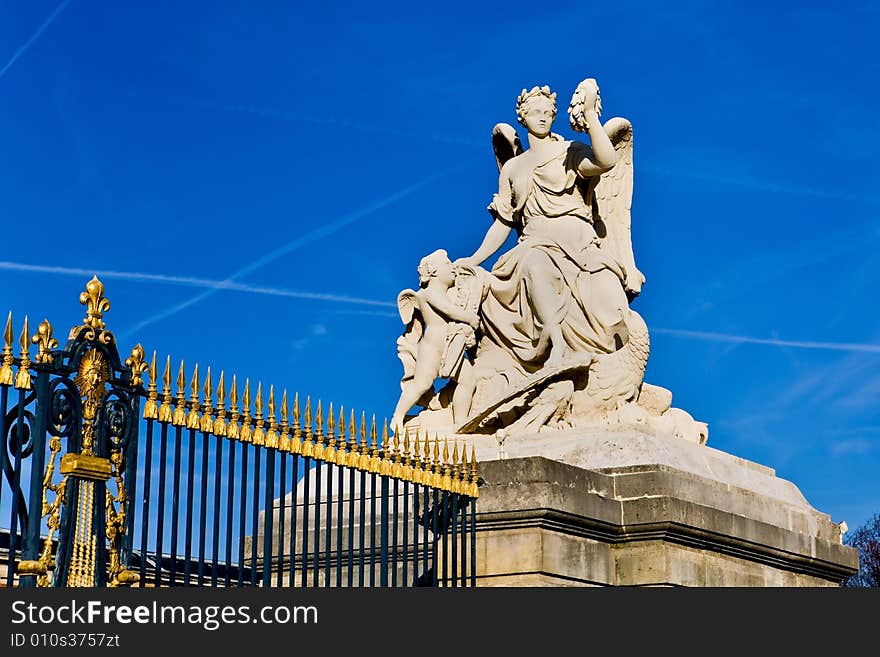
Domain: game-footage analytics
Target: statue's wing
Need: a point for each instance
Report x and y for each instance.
(407, 306)
(505, 143)
(613, 201)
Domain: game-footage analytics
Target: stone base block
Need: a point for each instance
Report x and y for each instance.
(632, 509)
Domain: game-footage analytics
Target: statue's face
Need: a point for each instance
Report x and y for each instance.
(445, 271)
(539, 115)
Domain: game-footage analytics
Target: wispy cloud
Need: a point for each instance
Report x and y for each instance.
(36, 35)
(762, 184)
(190, 281)
(854, 447)
(305, 240)
(213, 286)
(745, 339)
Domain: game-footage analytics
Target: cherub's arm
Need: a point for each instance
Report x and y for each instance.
(443, 306)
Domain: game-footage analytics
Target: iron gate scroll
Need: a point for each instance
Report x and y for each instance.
(204, 491)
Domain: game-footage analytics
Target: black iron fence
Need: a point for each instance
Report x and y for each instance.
(108, 482)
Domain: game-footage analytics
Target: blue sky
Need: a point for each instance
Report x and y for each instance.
(311, 155)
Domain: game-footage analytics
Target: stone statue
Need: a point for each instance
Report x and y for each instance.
(440, 322)
(557, 343)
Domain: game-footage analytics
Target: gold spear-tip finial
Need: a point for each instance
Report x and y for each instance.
(6, 374)
(246, 428)
(258, 437)
(23, 376)
(151, 409)
(309, 439)
(192, 418)
(233, 429)
(165, 407)
(219, 428)
(207, 422)
(179, 418)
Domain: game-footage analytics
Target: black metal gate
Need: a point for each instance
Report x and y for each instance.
(202, 491)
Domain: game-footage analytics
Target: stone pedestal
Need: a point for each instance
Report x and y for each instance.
(625, 507)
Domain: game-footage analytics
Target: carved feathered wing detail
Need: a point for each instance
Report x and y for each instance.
(505, 143)
(616, 378)
(612, 202)
(407, 344)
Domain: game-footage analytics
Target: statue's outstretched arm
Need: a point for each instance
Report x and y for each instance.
(604, 155)
(494, 239)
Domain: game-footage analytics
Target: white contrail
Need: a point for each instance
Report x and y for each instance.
(802, 344)
(190, 281)
(36, 35)
(308, 238)
(765, 185)
(212, 286)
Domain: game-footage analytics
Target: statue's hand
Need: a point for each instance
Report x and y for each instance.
(474, 320)
(589, 90)
(465, 263)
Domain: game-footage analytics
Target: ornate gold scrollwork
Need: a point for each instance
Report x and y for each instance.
(117, 574)
(41, 566)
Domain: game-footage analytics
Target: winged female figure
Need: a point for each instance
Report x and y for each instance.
(565, 287)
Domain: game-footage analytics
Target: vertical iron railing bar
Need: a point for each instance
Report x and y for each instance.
(4, 399)
(230, 510)
(218, 484)
(130, 469)
(305, 528)
(282, 521)
(294, 476)
(362, 527)
(454, 524)
(160, 510)
(190, 481)
(383, 531)
(175, 505)
(425, 528)
(242, 511)
(462, 520)
(435, 525)
(316, 568)
(31, 545)
(203, 509)
(444, 533)
(351, 489)
(11, 561)
(372, 529)
(394, 518)
(404, 580)
(328, 537)
(416, 534)
(340, 493)
(268, 517)
(145, 521)
(255, 516)
(473, 531)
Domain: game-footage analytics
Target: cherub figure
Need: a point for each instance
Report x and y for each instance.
(440, 326)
